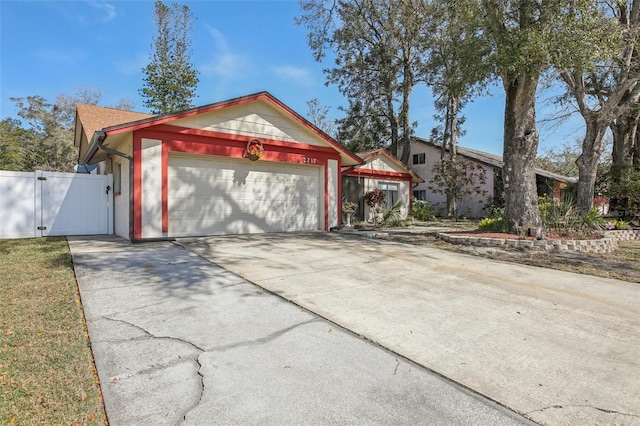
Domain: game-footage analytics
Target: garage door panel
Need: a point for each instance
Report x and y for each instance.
(215, 195)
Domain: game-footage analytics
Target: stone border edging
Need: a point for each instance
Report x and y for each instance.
(603, 245)
(607, 244)
(624, 234)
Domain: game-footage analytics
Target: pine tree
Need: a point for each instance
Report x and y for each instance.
(170, 78)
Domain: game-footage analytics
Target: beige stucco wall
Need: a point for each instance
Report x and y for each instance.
(471, 207)
(151, 152)
(121, 202)
(333, 182)
(258, 119)
(382, 163)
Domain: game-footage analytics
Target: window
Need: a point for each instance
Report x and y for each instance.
(117, 180)
(420, 194)
(391, 191)
(419, 158)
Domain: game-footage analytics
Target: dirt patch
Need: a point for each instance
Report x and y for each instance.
(623, 264)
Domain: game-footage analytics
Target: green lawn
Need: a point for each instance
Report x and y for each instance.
(47, 375)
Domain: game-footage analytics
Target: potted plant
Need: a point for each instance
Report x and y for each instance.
(348, 208)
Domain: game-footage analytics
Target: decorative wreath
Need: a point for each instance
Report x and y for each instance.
(255, 150)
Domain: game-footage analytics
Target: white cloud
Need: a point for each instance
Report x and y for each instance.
(67, 56)
(300, 76)
(220, 40)
(108, 9)
(131, 66)
(225, 62)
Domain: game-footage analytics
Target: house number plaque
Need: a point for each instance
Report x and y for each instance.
(309, 160)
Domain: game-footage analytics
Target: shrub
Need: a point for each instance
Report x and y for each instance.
(494, 224)
(614, 224)
(494, 208)
(374, 197)
(422, 210)
(393, 218)
(624, 189)
(563, 218)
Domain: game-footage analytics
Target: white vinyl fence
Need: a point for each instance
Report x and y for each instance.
(41, 204)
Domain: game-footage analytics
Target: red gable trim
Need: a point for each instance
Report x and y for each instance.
(161, 119)
(379, 174)
(355, 171)
(165, 128)
(387, 154)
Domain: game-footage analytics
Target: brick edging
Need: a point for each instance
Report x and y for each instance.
(624, 234)
(603, 245)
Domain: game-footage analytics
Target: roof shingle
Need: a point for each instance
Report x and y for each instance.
(93, 117)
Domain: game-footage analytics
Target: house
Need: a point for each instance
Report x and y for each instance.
(426, 153)
(383, 171)
(245, 165)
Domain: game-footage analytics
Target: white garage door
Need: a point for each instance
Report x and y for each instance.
(217, 195)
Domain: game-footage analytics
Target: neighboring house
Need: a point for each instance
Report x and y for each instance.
(380, 170)
(193, 172)
(425, 154)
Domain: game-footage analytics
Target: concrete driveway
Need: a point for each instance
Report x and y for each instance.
(180, 340)
(557, 347)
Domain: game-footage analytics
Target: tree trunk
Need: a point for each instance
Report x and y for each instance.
(520, 150)
(407, 87)
(393, 124)
(623, 130)
(451, 133)
(587, 162)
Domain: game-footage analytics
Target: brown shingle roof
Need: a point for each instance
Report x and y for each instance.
(93, 117)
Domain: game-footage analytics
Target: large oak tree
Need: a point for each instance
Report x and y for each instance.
(526, 36)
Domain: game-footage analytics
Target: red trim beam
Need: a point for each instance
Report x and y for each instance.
(379, 174)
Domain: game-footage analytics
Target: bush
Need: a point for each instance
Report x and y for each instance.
(614, 224)
(374, 197)
(494, 208)
(392, 217)
(563, 218)
(494, 224)
(624, 189)
(422, 210)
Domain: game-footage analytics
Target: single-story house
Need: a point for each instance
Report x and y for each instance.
(383, 171)
(426, 153)
(245, 165)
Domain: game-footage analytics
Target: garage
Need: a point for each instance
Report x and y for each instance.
(242, 166)
(213, 195)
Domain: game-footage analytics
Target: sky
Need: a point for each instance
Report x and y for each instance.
(48, 48)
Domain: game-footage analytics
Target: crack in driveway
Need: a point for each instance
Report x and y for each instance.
(266, 339)
(604, 410)
(196, 359)
(149, 335)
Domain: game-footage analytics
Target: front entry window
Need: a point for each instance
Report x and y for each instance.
(391, 190)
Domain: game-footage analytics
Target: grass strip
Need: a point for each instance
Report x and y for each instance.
(47, 374)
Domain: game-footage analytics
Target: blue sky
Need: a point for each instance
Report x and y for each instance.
(49, 48)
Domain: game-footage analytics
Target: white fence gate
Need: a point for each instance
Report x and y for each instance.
(41, 204)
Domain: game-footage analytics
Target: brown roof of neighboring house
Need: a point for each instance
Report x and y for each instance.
(95, 117)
